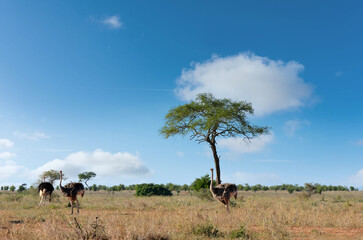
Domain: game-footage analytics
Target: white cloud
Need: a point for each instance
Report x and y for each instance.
(112, 22)
(104, 164)
(268, 84)
(9, 168)
(357, 179)
(359, 142)
(239, 145)
(5, 143)
(256, 178)
(7, 155)
(293, 125)
(33, 136)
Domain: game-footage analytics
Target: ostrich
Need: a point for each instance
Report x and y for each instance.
(223, 192)
(71, 190)
(45, 189)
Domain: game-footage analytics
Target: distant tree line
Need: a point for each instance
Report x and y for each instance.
(295, 188)
(204, 182)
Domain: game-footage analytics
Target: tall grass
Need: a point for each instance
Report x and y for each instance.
(259, 215)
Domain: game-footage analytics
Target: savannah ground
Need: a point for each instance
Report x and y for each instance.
(121, 215)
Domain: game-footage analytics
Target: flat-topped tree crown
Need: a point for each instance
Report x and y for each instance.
(207, 118)
(50, 175)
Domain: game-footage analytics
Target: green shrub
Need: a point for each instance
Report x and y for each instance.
(151, 189)
(240, 233)
(290, 189)
(207, 230)
(199, 183)
(22, 187)
(203, 194)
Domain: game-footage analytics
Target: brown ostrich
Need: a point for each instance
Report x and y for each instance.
(45, 189)
(223, 192)
(71, 190)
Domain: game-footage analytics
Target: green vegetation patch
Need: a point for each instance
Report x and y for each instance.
(150, 189)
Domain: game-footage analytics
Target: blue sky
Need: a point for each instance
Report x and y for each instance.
(85, 86)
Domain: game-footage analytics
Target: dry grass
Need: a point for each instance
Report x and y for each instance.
(260, 215)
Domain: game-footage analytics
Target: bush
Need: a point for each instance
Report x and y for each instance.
(240, 233)
(199, 183)
(203, 194)
(207, 230)
(310, 189)
(152, 190)
(290, 189)
(22, 187)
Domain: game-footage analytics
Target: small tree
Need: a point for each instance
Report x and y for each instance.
(22, 187)
(50, 176)
(291, 189)
(199, 183)
(12, 188)
(207, 118)
(86, 176)
(310, 189)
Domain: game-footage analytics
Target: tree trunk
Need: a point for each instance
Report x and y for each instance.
(216, 162)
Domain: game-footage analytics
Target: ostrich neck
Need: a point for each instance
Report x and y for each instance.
(60, 184)
(211, 184)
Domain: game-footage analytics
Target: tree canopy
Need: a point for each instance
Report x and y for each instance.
(50, 176)
(207, 118)
(86, 176)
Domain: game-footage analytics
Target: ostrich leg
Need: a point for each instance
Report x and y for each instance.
(40, 203)
(77, 205)
(71, 206)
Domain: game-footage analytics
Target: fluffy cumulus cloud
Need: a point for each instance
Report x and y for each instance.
(293, 125)
(9, 168)
(112, 22)
(5, 143)
(31, 136)
(104, 164)
(256, 178)
(239, 145)
(268, 84)
(357, 179)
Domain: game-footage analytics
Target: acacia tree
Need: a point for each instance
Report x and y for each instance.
(50, 176)
(207, 118)
(86, 176)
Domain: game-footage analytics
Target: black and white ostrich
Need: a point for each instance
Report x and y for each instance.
(223, 192)
(71, 190)
(45, 189)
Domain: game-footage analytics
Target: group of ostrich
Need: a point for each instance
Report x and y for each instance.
(70, 190)
(222, 192)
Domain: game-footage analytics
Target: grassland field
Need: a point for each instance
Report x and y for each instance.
(121, 215)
